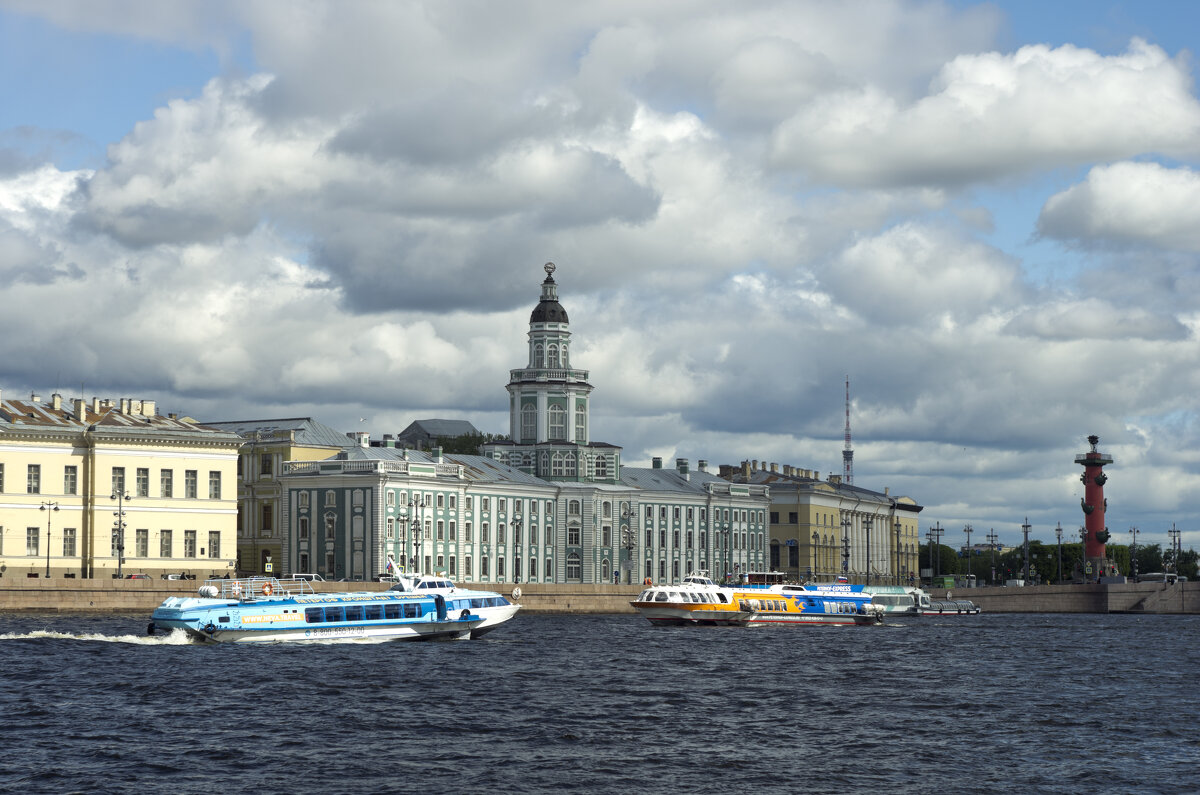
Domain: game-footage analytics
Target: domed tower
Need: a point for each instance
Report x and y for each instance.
(549, 404)
(1094, 506)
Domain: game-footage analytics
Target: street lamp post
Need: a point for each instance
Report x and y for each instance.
(968, 530)
(121, 497)
(49, 508)
(845, 546)
(628, 540)
(1025, 530)
(816, 556)
(992, 538)
(515, 522)
(897, 525)
(1133, 531)
(867, 521)
(1083, 533)
(1175, 548)
(935, 537)
(416, 507)
(1058, 534)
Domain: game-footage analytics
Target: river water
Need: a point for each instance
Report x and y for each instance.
(988, 703)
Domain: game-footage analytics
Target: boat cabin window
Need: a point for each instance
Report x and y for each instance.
(314, 615)
(661, 596)
(354, 612)
(391, 610)
(337, 613)
(373, 612)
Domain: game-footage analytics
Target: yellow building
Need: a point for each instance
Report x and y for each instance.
(107, 489)
(822, 529)
(267, 445)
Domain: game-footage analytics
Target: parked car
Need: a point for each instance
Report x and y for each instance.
(309, 577)
(173, 576)
(137, 576)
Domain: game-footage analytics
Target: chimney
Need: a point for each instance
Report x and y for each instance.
(125, 405)
(34, 398)
(173, 416)
(656, 462)
(437, 455)
(774, 469)
(702, 465)
(95, 404)
(149, 409)
(56, 402)
(754, 464)
(885, 491)
(835, 479)
(681, 466)
(725, 471)
(79, 406)
(746, 469)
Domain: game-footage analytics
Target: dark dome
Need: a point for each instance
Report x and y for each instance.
(549, 310)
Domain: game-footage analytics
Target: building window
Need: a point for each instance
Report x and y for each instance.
(68, 542)
(484, 534)
(391, 497)
(141, 543)
(33, 479)
(189, 543)
(467, 532)
(391, 529)
(453, 566)
(558, 423)
(569, 465)
(552, 356)
(581, 430)
(214, 485)
(470, 504)
(330, 498)
(689, 539)
(549, 575)
(441, 502)
(487, 504)
(606, 538)
(142, 481)
(214, 544)
(453, 530)
(467, 571)
(549, 536)
(483, 568)
(528, 422)
(191, 482)
(164, 544)
(118, 480)
(441, 530)
(556, 465)
(303, 527)
(166, 483)
(1, 477)
(573, 508)
(266, 464)
(71, 479)
(675, 513)
(268, 518)
(662, 570)
(501, 534)
(574, 569)
(31, 541)
(602, 467)
(573, 535)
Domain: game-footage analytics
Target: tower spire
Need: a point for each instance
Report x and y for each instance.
(848, 452)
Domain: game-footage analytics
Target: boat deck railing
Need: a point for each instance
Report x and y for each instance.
(251, 588)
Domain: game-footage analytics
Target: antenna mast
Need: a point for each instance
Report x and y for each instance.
(848, 452)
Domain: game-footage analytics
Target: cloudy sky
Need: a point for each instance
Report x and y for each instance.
(986, 215)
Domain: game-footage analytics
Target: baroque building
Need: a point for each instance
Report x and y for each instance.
(110, 488)
(548, 504)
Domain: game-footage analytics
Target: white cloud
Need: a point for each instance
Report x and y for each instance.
(992, 114)
(1143, 204)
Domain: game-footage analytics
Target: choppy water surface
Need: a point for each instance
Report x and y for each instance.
(1020, 703)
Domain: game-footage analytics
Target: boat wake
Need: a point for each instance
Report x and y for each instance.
(176, 637)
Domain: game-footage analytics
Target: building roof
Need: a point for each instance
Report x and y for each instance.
(101, 417)
(308, 432)
(548, 310)
(439, 428)
(475, 467)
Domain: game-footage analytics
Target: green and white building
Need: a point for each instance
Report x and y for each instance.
(546, 505)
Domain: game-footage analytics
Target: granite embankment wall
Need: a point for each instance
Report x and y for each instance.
(142, 596)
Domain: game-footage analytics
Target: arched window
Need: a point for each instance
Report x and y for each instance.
(529, 422)
(573, 508)
(558, 423)
(556, 465)
(549, 577)
(649, 569)
(539, 356)
(574, 569)
(580, 426)
(569, 465)
(533, 569)
(552, 361)
(605, 570)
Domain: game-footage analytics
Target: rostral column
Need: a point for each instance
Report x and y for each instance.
(1094, 505)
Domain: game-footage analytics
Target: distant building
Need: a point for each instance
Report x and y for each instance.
(427, 434)
(824, 528)
(266, 446)
(93, 489)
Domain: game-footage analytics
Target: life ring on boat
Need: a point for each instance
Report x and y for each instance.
(466, 613)
(210, 628)
(237, 589)
(268, 589)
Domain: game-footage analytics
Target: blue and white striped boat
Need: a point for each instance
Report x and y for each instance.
(264, 609)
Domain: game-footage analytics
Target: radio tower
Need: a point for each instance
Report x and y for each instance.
(848, 453)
